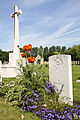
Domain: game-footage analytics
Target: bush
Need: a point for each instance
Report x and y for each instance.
(33, 92)
(33, 78)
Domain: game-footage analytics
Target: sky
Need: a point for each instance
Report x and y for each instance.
(43, 22)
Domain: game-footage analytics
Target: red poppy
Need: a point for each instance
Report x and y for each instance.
(27, 47)
(23, 55)
(31, 59)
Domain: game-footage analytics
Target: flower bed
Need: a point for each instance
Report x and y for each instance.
(33, 92)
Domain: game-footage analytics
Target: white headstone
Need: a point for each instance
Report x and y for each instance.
(38, 60)
(60, 74)
(78, 62)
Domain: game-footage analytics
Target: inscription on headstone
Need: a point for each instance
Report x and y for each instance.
(60, 74)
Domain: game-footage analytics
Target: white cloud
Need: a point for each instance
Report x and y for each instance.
(63, 18)
(72, 31)
(32, 3)
(37, 39)
(51, 37)
(28, 38)
(69, 41)
(41, 28)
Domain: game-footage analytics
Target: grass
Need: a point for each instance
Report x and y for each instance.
(13, 113)
(76, 92)
(75, 72)
(76, 86)
(8, 79)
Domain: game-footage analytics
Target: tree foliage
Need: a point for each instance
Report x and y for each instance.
(4, 55)
(74, 51)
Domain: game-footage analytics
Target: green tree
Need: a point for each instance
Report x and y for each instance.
(74, 53)
(58, 49)
(50, 51)
(53, 48)
(41, 51)
(63, 49)
(36, 51)
(45, 50)
(46, 54)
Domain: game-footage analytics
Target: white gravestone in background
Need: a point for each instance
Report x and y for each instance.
(60, 74)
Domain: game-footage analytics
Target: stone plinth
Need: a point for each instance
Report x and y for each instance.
(13, 57)
(60, 74)
(8, 71)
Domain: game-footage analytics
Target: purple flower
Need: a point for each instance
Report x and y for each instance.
(26, 103)
(63, 117)
(32, 92)
(35, 102)
(35, 90)
(25, 96)
(47, 90)
(33, 107)
(36, 95)
(68, 116)
(78, 116)
(65, 111)
(79, 106)
(23, 103)
(36, 99)
(78, 112)
(31, 100)
(61, 88)
(20, 110)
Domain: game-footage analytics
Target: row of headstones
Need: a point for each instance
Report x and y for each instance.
(76, 62)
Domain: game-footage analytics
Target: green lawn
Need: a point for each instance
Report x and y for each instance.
(76, 86)
(76, 92)
(75, 72)
(13, 113)
(8, 79)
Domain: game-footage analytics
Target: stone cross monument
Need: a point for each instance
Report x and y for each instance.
(10, 69)
(16, 27)
(13, 57)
